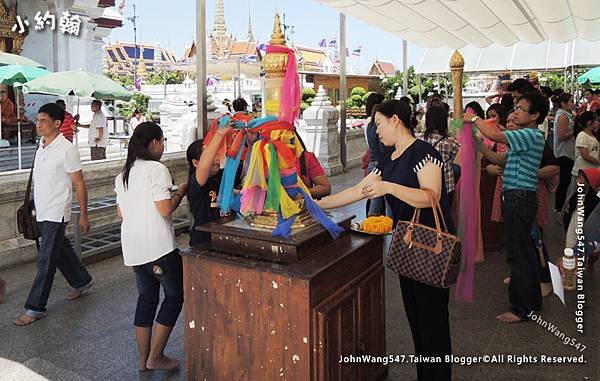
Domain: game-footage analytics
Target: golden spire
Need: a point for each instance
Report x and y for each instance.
(141, 69)
(277, 38)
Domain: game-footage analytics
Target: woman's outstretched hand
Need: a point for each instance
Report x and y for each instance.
(375, 189)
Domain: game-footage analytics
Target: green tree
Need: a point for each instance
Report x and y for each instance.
(123, 80)
(554, 80)
(138, 101)
(308, 95)
(160, 76)
(358, 91)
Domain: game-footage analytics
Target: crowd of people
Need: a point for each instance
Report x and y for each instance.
(532, 141)
(538, 146)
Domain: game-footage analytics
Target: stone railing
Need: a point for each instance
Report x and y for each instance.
(100, 181)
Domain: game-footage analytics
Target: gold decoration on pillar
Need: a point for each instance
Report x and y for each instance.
(275, 63)
(457, 65)
(10, 42)
(141, 69)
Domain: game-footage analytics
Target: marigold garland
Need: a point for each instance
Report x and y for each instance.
(377, 224)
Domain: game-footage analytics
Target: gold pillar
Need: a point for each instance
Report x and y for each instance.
(274, 65)
(457, 64)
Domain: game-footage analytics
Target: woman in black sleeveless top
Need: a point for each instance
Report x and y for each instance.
(400, 176)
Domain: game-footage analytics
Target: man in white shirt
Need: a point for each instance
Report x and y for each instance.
(98, 134)
(56, 169)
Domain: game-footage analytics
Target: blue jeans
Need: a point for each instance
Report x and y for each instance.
(519, 209)
(167, 272)
(55, 252)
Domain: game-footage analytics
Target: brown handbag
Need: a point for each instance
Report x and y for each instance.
(423, 253)
(26, 222)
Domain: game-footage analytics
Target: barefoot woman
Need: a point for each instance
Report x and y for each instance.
(148, 241)
(400, 176)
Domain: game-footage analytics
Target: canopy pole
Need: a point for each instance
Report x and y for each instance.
(18, 124)
(457, 65)
(343, 94)
(404, 67)
(202, 117)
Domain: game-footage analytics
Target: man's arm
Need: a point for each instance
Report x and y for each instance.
(101, 133)
(82, 197)
(548, 172)
(492, 156)
(488, 131)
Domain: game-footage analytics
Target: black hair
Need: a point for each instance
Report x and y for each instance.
(399, 108)
(582, 120)
(546, 91)
(477, 109)
(596, 92)
(137, 111)
(372, 100)
(588, 90)
(537, 103)
(142, 136)
(446, 107)
(240, 104)
(561, 98)
(507, 102)
(60, 102)
(97, 103)
(54, 111)
(501, 111)
(436, 119)
(194, 151)
(406, 99)
(520, 85)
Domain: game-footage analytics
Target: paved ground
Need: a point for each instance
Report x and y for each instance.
(93, 338)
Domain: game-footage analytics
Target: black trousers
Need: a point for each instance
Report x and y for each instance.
(427, 312)
(518, 212)
(566, 166)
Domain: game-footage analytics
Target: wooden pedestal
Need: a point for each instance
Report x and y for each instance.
(253, 319)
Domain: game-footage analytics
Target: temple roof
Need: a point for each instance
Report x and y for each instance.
(120, 57)
(384, 68)
(315, 59)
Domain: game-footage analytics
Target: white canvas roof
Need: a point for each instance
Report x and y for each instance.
(492, 35)
(458, 23)
(520, 56)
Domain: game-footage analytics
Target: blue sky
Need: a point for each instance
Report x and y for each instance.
(173, 25)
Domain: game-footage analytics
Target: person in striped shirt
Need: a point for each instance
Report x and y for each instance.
(519, 207)
(68, 127)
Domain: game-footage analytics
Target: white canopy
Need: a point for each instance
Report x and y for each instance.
(520, 56)
(480, 23)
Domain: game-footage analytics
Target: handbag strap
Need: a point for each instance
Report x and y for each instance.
(435, 207)
(28, 191)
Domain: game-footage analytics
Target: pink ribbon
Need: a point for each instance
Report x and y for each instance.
(289, 106)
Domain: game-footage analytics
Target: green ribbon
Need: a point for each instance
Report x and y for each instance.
(274, 187)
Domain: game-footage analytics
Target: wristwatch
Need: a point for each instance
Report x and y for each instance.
(474, 119)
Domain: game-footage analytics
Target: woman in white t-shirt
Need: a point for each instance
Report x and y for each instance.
(587, 147)
(136, 119)
(148, 242)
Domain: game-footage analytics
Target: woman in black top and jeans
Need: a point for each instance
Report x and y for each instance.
(401, 176)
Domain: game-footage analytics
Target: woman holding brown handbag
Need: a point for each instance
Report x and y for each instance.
(403, 176)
